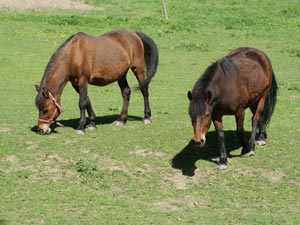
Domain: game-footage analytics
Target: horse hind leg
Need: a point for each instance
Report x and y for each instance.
(125, 91)
(257, 123)
(239, 118)
(140, 75)
(262, 135)
(147, 110)
(92, 115)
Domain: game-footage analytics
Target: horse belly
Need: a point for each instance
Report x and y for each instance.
(231, 101)
(108, 69)
(102, 79)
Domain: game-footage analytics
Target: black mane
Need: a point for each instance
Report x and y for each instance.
(40, 97)
(54, 56)
(228, 67)
(198, 104)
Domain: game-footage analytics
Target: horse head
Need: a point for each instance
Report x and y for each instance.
(200, 112)
(49, 110)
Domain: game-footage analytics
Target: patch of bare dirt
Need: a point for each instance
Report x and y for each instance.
(145, 152)
(168, 205)
(273, 176)
(25, 5)
(11, 159)
(179, 181)
(50, 167)
(31, 145)
(4, 129)
(181, 204)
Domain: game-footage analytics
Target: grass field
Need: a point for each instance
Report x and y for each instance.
(126, 175)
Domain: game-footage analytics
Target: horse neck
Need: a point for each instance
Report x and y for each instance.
(55, 82)
(209, 88)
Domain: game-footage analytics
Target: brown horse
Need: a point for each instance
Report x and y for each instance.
(242, 79)
(84, 60)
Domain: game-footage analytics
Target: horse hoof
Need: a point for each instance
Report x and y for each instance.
(248, 154)
(79, 132)
(261, 142)
(222, 166)
(147, 121)
(91, 128)
(119, 123)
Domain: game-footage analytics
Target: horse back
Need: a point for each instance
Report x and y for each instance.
(251, 65)
(106, 58)
(245, 76)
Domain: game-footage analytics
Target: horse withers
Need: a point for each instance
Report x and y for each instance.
(242, 79)
(83, 60)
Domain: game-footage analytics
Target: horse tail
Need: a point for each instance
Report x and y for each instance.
(151, 57)
(270, 101)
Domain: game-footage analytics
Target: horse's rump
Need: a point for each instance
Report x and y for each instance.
(248, 74)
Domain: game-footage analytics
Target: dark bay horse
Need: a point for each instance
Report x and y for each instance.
(84, 60)
(242, 79)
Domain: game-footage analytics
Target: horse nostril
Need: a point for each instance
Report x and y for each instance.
(40, 131)
(199, 143)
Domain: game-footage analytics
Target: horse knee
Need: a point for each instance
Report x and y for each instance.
(220, 135)
(220, 132)
(145, 91)
(83, 103)
(240, 133)
(256, 119)
(126, 91)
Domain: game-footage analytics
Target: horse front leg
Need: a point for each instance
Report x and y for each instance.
(221, 143)
(83, 103)
(92, 115)
(251, 142)
(125, 91)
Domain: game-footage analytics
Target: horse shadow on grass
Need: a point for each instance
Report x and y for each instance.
(100, 120)
(186, 159)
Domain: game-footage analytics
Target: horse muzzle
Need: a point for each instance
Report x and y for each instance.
(43, 129)
(199, 143)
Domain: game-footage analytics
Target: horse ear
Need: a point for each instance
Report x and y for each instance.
(190, 96)
(46, 93)
(209, 98)
(37, 88)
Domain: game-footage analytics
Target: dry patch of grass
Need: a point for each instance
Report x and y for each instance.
(44, 5)
(50, 167)
(145, 152)
(4, 129)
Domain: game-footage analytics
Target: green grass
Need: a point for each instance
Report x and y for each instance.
(124, 175)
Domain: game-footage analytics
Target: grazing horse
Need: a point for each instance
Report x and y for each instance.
(84, 60)
(242, 79)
